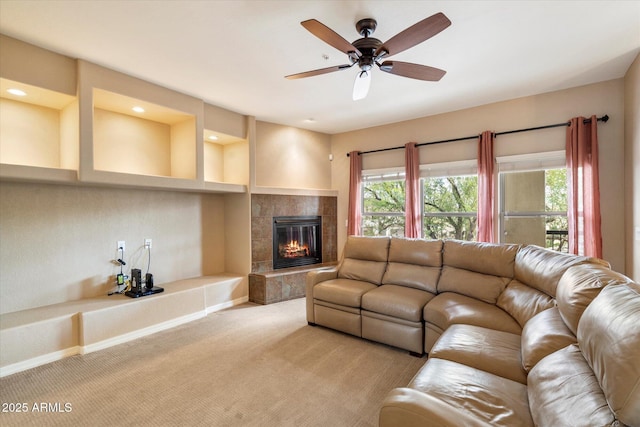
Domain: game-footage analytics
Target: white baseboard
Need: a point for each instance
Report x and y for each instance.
(39, 360)
(227, 304)
(121, 339)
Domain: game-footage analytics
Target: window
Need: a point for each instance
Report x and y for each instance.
(450, 200)
(533, 200)
(450, 207)
(383, 203)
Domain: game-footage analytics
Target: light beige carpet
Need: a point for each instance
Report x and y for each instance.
(251, 365)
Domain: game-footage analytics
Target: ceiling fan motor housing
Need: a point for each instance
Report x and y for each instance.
(366, 45)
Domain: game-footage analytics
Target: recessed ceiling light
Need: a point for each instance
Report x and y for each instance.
(213, 137)
(17, 92)
(138, 109)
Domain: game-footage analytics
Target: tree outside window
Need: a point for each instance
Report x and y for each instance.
(450, 207)
(383, 208)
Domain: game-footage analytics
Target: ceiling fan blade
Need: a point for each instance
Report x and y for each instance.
(329, 36)
(318, 72)
(414, 71)
(361, 85)
(414, 35)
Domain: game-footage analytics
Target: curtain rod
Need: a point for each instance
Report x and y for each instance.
(604, 119)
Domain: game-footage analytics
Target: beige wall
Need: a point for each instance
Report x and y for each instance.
(555, 107)
(70, 137)
(57, 242)
(213, 162)
(236, 162)
(122, 143)
(17, 121)
(24, 62)
(183, 149)
(632, 169)
(289, 157)
(226, 163)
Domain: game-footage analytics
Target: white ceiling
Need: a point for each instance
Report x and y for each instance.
(235, 54)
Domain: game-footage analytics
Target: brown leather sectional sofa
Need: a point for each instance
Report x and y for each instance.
(516, 335)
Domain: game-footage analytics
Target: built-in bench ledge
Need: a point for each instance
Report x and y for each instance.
(33, 337)
(281, 285)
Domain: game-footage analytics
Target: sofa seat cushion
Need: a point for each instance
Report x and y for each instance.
(492, 351)
(450, 308)
(564, 391)
(493, 399)
(345, 292)
(397, 301)
(544, 334)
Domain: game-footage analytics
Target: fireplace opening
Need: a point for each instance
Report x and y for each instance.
(297, 240)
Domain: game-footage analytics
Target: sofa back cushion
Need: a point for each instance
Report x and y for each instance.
(579, 285)
(542, 268)
(414, 263)
(477, 270)
(609, 338)
(483, 287)
(364, 258)
(487, 258)
(523, 302)
(544, 334)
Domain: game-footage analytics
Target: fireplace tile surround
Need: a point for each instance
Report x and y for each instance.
(265, 285)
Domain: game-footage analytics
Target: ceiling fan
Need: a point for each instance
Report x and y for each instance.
(368, 51)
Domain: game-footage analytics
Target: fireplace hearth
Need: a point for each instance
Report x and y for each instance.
(297, 241)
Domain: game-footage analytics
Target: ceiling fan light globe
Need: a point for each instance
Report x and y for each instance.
(361, 85)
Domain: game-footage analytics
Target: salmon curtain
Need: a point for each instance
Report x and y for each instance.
(583, 214)
(354, 218)
(413, 213)
(485, 187)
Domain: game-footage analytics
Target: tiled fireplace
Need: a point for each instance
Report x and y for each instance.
(287, 280)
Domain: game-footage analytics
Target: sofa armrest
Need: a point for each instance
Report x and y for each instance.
(312, 279)
(407, 407)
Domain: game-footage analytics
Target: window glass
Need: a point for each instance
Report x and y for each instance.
(383, 207)
(534, 208)
(450, 207)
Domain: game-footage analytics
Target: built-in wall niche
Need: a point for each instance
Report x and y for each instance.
(226, 158)
(39, 128)
(138, 137)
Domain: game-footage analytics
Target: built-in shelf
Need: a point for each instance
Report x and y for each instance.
(226, 159)
(95, 137)
(39, 137)
(137, 137)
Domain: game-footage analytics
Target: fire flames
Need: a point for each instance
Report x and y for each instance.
(293, 250)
